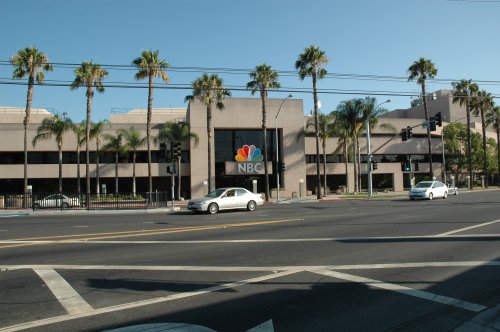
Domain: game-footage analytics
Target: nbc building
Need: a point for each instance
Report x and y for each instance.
(237, 148)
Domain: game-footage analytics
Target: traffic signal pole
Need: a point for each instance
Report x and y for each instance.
(368, 158)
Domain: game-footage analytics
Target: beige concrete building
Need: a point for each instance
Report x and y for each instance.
(237, 131)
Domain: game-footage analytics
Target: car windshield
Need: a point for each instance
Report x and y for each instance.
(215, 193)
(424, 185)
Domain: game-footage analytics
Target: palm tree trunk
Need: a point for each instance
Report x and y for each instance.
(133, 172)
(485, 160)
(346, 163)
(116, 172)
(87, 139)
(97, 180)
(78, 188)
(424, 98)
(209, 148)
(355, 162)
(26, 122)
(324, 166)
(264, 131)
(469, 144)
(316, 121)
(498, 150)
(60, 166)
(148, 134)
(358, 164)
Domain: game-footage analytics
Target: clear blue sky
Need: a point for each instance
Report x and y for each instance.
(363, 37)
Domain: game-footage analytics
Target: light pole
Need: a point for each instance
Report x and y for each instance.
(369, 150)
(277, 150)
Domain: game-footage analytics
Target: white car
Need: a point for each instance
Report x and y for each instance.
(452, 190)
(57, 201)
(428, 190)
(226, 199)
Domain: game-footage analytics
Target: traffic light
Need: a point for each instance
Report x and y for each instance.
(403, 166)
(282, 167)
(177, 150)
(432, 124)
(404, 134)
(375, 165)
(416, 167)
(439, 119)
(409, 133)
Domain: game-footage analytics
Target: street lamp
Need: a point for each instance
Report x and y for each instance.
(277, 150)
(369, 151)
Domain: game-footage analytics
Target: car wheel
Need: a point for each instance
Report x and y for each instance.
(213, 208)
(251, 206)
(431, 196)
(65, 205)
(37, 206)
(445, 194)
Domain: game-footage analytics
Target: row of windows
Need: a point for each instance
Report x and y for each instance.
(17, 158)
(385, 158)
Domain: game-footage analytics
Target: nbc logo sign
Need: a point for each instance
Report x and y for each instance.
(249, 159)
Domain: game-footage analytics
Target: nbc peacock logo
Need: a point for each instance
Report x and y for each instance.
(249, 153)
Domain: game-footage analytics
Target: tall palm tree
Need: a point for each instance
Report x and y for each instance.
(350, 113)
(264, 78)
(326, 129)
(463, 92)
(56, 126)
(119, 148)
(32, 63)
(481, 105)
(310, 63)
(209, 90)
(96, 132)
(421, 70)
(79, 131)
(344, 141)
(177, 132)
(150, 66)
(90, 76)
(493, 118)
(134, 141)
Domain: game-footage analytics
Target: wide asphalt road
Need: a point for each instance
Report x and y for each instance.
(364, 265)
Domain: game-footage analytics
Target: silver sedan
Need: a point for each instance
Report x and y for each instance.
(226, 199)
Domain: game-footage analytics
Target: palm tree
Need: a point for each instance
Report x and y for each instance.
(326, 130)
(116, 145)
(481, 105)
(310, 63)
(79, 131)
(134, 141)
(421, 70)
(150, 66)
(344, 140)
(463, 92)
(177, 132)
(493, 118)
(96, 131)
(264, 78)
(32, 63)
(88, 75)
(350, 113)
(54, 126)
(209, 90)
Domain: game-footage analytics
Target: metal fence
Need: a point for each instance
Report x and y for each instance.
(75, 201)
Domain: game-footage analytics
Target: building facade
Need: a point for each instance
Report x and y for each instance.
(237, 150)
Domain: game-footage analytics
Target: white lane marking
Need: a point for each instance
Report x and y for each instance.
(254, 268)
(470, 227)
(338, 239)
(81, 226)
(404, 290)
(141, 303)
(65, 294)
(4, 230)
